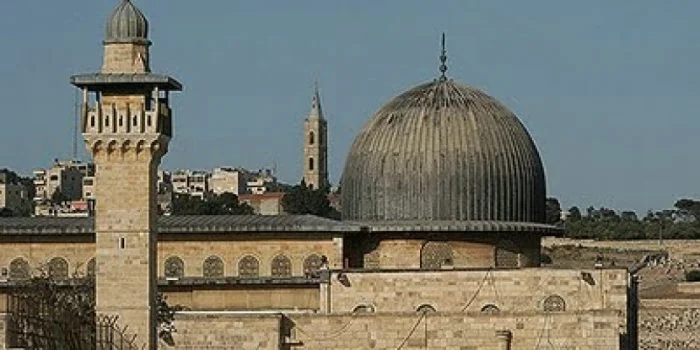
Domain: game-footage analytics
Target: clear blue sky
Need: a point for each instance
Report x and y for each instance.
(610, 90)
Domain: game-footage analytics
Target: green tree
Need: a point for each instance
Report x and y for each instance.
(552, 211)
(302, 199)
(58, 198)
(688, 208)
(574, 214)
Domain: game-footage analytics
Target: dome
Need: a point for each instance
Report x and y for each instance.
(126, 24)
(443, 151)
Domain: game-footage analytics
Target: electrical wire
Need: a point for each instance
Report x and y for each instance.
(326, 335)
(413, 329)
(478, 289)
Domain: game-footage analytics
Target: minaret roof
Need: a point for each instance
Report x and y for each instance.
(126, 24)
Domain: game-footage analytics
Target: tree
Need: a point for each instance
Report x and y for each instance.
(58, 198)
(302, 199)
(552, 210)
(628, 216)
(688, 208)
(574, 214)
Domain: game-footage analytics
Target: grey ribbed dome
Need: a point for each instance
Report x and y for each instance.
(443, 151)
(126, 24)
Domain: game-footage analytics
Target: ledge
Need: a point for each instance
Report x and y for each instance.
(94, 81)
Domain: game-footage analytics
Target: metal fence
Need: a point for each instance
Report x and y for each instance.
(35, 324)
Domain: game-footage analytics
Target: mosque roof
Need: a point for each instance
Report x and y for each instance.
(190, 224)
(280, 224)
(443, 151)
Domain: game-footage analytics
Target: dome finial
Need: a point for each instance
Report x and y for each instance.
(443, 60)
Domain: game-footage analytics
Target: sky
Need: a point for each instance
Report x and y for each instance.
(609, 90)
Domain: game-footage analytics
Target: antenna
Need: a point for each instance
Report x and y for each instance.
(75, 126)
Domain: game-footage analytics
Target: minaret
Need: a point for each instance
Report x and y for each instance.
(126, 122)
(315, 145)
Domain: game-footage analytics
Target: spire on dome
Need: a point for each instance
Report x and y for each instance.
(316, 111)
(443, 60)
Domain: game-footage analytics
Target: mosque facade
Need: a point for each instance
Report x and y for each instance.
(443, 197)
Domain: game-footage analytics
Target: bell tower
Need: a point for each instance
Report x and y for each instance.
(126, 122)
(315, 162)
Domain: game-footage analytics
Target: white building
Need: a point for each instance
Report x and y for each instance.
(231, 180)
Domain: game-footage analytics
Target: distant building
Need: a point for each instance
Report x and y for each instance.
(231, 180)
(13, 196)
(89, 188)
(64, 176)
(268, 203)
(191, 182)
(180, 181)
(164, 187)
(315, 145)
(199, 184)
(262, 182)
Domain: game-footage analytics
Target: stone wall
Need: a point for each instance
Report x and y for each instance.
(518, 290)
(192, 249)
(3, 331)
(468, 250)
(247, 297)
(592, 330)
(225, 331)
(677, 248)
(231, 250)
(671, 328)
(455, 331)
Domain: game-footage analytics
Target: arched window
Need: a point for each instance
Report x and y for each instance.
(58, 268)
(92, 121)
(311, 163)
(435, 255)
(281, 266)
(248, 266)
(425, 308)
(19, 269)
(174, 267)
(364, 309)
(554, 303)
(490, 309)
(134, 120)
(121, 121)
(91, 268)
(107, 120)
(213, 267)
(507, 254)
(312, 138)
(311, 264)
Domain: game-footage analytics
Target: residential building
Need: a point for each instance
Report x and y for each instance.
(261, 182)
(13, 196)
(227, 179)
(198, 183)
(64, 176)
(268, 203)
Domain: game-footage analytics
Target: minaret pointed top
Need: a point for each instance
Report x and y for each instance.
(316, 111)
(443, 60)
